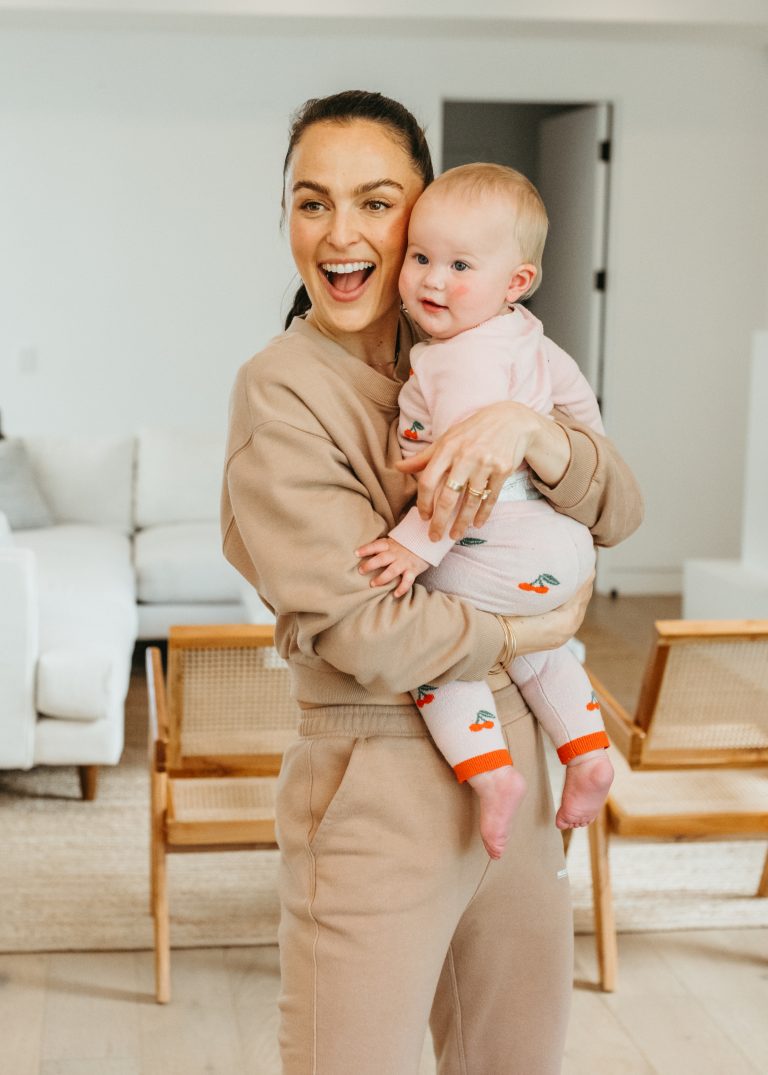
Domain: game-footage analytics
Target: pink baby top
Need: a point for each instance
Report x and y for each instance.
(505, 358)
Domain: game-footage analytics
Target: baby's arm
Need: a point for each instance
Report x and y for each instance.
(395, 559)
(571, 392)
(452, 379)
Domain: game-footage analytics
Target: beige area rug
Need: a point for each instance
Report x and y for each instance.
(74, 875)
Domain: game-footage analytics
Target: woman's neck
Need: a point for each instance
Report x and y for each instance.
(376, 345)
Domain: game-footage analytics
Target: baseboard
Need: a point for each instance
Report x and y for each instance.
(638, 581)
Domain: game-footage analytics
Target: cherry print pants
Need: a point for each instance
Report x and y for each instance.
(527, 559)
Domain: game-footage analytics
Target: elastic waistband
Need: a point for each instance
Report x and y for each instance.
(362, 720)
(395, 720)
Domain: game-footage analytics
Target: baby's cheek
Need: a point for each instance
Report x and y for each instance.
(460, 290)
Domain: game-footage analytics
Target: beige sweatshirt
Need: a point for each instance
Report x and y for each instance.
(309, 477)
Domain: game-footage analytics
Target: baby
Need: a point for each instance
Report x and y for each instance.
(475, 242)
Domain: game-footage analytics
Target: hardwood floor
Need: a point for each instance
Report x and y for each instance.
(687, 1001)
(693, 1001)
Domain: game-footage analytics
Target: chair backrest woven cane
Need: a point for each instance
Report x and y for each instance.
(229, 703)
(704, 699)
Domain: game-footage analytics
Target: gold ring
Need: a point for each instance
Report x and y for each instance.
(482, 493)
(458, 487)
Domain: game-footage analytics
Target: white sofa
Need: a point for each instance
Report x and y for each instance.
(134, 547)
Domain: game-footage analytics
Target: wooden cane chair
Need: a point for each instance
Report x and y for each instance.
(217, 737)
(703, 706)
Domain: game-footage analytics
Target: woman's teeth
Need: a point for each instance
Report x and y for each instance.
(351, 266)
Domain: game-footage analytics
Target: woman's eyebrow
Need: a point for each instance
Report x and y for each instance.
(363, 188)
(366, 188)
(309, 185)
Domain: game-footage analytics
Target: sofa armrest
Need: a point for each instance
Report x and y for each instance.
(18, 656)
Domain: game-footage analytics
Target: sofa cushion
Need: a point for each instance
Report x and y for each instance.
(178, 478)
(88, 618)
(79, 684)
(21, 500)
(81, 562)
(183, 563)
(86, 479)
(86, 586)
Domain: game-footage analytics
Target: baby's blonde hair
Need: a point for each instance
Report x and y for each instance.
(530, 216)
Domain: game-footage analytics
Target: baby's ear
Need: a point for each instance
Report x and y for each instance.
(522, 280)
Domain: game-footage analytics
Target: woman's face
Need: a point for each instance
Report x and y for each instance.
(350, 191)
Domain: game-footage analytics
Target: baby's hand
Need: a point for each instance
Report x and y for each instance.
(395, 559)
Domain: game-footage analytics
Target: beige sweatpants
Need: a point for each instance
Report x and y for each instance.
(393, 916)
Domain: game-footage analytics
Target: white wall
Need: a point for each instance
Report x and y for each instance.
(141, 261)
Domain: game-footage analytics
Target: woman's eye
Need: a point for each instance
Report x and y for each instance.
(460, 266)
(377, 205)
(311, 207)
(422, 259)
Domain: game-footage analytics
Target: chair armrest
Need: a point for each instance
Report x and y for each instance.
(221, 636)
(158, 713)
(19, 648)
(624, 734)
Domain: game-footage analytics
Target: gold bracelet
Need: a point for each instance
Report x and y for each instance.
(509, 652)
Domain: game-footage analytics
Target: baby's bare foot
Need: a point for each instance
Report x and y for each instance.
(501, 792)
(586, 788)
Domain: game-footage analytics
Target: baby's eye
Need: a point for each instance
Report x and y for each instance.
(422, 259)
(460, 266)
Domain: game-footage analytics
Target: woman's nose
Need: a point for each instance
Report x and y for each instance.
(342, 231)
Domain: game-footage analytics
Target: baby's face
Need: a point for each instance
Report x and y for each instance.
(461, 260)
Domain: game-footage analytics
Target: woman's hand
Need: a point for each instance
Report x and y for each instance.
(550, 630)
(480, 453)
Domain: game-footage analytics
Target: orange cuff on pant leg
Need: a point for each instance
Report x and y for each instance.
(582, 745)
(483, 763)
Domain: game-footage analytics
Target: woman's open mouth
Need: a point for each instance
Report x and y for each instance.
(346, 279)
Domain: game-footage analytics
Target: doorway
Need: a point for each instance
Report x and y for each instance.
(565, 150)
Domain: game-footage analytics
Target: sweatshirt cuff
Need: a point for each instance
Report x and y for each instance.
(413, 533)
(575, 483)
(491, 641)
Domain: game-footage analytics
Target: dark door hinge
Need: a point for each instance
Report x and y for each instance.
(604, 150)
(600, 280)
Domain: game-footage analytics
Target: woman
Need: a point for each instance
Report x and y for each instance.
(390, 907)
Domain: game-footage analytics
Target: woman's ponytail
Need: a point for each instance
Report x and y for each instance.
(301, 305)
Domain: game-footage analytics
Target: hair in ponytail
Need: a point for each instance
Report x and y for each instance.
(346, 107)
(301, 305)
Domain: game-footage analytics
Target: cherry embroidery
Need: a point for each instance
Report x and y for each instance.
(413, 432)
(484, 719)
(425, 694)
(540, 584)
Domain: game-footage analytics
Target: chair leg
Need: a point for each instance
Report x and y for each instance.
(605, 926)
(158, 874)
(567, 834)
(89, 779)
(762, 888)
(157, 795)
(161, 928)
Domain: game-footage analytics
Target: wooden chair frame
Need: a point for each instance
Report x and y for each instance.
(168, 765)
(632, 735)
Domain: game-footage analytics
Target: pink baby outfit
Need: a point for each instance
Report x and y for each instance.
(527, 559)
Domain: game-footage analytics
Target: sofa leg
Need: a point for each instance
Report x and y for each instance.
(89, 778)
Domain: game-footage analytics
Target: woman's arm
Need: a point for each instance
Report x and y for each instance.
(579, 471)
(293, 512)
